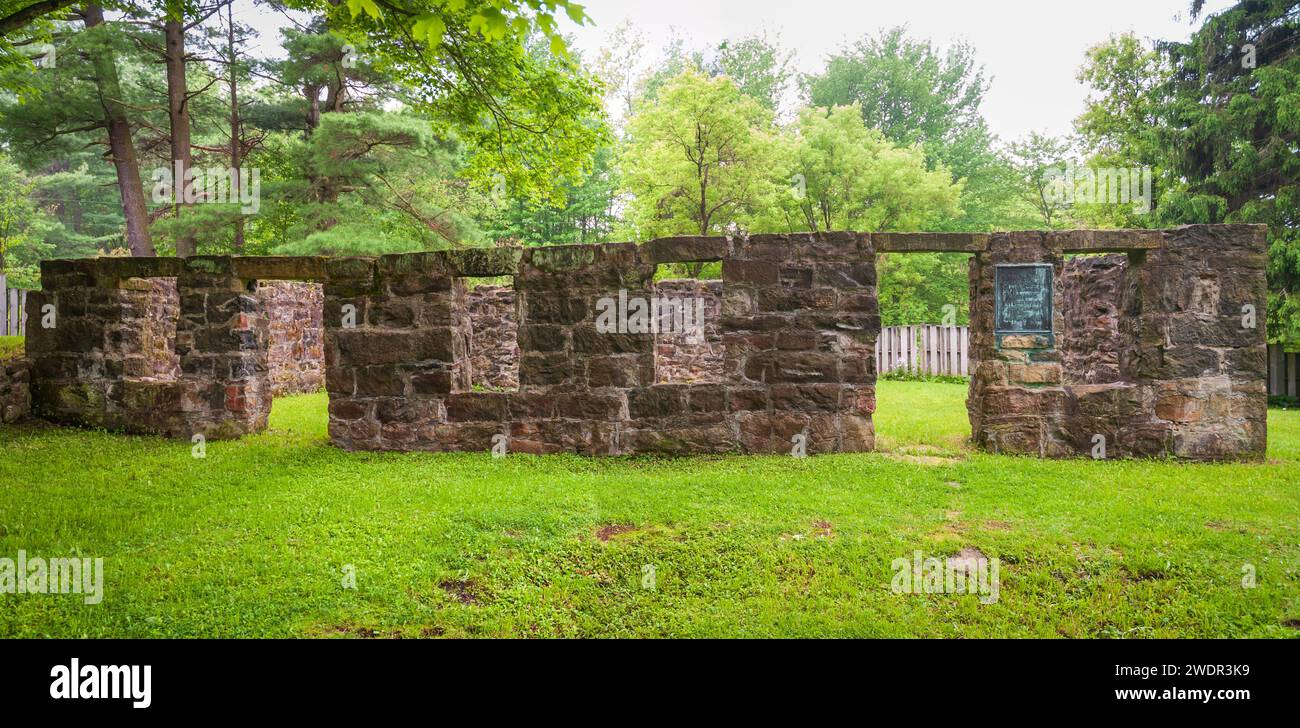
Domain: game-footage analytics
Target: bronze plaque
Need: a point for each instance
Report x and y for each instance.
(1022, 298)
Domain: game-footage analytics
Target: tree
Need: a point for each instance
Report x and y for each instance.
(700, 159)
(918, 288)
(916, 94)
(25, 27)
(759, 67)
(1216, 118)
(588, 214)
(1041, 161)
(22, 227)
(468, 67)
(616, 65)
(121, 145)
(372, 182)
(848, 177)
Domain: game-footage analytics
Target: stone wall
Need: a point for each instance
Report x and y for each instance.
(15, 394)
(494, 331)
(161, 306)
(1093, 291)
(1181, 373)
(694, 355)
(680, 357)
(296, 353)
(100, 364)
(1167, 365)
(799, 323)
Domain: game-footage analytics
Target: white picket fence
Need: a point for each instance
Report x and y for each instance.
(13, 310)
(924, 349)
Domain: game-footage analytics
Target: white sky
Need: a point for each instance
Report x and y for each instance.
(1031, 49)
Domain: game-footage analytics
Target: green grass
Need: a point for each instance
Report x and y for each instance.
(10, 346)
(253, 539)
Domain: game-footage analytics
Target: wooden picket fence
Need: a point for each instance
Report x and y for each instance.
(1283, 372)
(13, 310)
(924, 349)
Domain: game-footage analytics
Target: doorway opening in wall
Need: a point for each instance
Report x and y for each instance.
(922, 354)
(490, 326)
(295, 355)
(686, 307)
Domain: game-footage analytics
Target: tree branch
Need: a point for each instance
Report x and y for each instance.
(20, 18)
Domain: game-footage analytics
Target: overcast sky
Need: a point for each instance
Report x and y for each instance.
(1031, 49)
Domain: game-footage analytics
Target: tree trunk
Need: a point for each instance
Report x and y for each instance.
(238, 242)
(178, 113)
(121, 146)
(312, 94)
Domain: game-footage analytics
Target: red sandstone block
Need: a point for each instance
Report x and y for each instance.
(753, 272)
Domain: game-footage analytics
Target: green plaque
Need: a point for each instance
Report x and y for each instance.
(1022, 298)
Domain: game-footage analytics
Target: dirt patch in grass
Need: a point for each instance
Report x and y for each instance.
(358, 631)
(930, 460)
(1292, 623)
(607, 532)
(997, 526)
(922, 455)
(463, 591)
(967, 561)
(822, 529)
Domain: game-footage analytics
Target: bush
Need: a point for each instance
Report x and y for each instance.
(904, 375)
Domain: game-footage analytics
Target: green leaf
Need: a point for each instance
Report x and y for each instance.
(576, 13)
(558, 47)
(430, 28)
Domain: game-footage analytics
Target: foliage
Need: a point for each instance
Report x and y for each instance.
(11, 347)
(906, 375)
(22, 228)
(844, 176)
(1040, 161)
(759, 67)
(588, 214)
(699, 160)
(916, 288)
(1215, 117)
(372, 182)
(473, 68)
(915, 93)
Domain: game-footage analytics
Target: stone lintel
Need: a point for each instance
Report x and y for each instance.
(280, 268)
(686, 249)
(930, 242)
(485, 262)
(107, 271)
(1105, 241)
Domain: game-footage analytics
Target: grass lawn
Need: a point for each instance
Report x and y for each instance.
(10, 346)
(254, 539)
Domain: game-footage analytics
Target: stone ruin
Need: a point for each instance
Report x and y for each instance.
(1148, 343)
